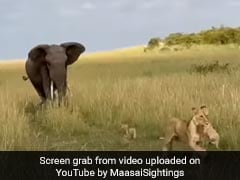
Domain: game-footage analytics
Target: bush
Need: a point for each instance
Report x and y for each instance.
(153, 43)
(165, 49)
(210, 67)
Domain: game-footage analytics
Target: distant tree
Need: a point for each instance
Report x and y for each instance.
(153, 43)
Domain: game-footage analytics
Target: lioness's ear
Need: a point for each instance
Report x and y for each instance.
(194, 110)
(205, 110)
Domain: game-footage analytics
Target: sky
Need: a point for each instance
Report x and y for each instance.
(105, 24)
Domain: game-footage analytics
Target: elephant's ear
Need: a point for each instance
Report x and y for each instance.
(38, 52)
(73, 51)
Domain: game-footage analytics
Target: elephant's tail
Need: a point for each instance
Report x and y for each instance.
(25, 78)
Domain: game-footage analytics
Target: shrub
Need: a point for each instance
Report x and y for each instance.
(210, 67)
(165, 49)
(153, 43)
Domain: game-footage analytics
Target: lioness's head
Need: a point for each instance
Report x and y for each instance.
(200, 115)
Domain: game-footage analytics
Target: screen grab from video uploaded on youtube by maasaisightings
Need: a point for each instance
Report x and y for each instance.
(124, 76)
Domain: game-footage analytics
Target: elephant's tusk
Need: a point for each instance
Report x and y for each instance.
(51, 89)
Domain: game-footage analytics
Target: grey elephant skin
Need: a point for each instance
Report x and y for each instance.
(47, 65)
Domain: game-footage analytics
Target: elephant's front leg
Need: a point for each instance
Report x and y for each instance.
(46, 82)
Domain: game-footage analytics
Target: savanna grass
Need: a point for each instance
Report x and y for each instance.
(142, 90)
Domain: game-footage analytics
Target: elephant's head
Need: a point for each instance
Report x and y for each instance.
(53, 61)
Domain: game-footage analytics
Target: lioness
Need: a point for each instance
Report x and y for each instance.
(193, 132)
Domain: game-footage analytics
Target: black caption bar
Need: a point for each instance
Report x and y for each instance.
(120, 165)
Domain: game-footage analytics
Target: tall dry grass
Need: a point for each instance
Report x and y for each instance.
(142, 91)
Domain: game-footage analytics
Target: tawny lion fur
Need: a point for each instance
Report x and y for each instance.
(129, 132)
(194, 132)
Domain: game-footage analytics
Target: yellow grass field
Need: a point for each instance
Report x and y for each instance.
(122, 86)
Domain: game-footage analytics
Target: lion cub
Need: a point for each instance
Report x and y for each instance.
(209, 134)
(129, 132)
(193, 132)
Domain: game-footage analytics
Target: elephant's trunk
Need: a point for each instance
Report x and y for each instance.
(61, 91)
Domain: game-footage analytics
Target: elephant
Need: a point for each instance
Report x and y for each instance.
(46, 67)
(25, 78)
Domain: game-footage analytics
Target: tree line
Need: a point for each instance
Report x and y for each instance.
(216, 36)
